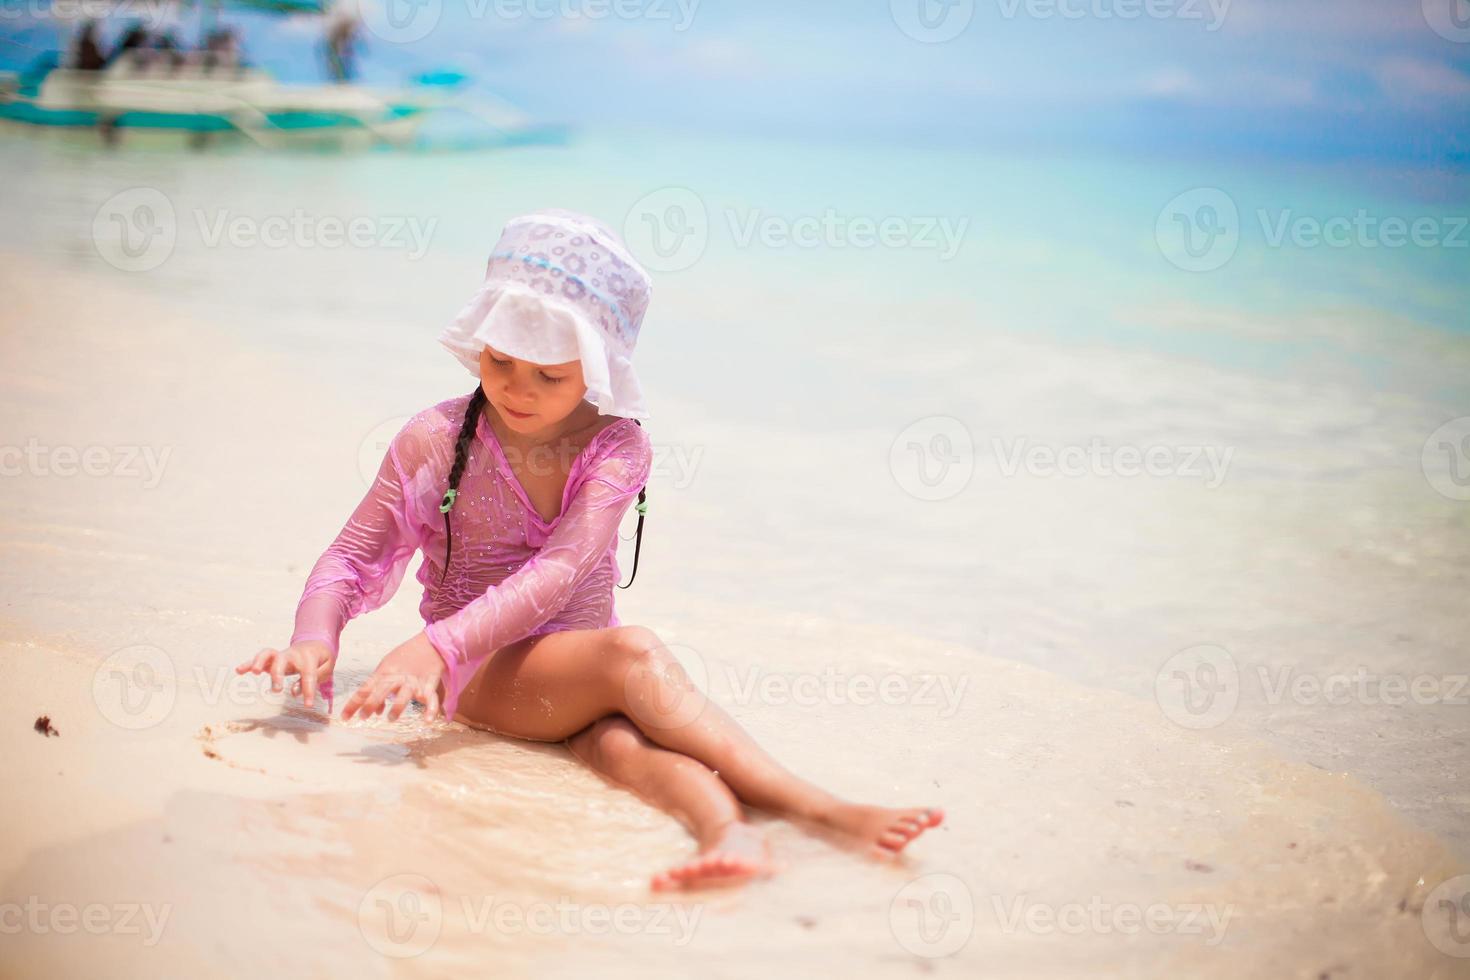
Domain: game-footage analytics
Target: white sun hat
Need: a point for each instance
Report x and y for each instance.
(560, 286)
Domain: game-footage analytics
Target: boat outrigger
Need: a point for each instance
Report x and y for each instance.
(204, 101)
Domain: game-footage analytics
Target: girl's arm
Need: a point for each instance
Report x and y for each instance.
(363, 566)
(542, 586)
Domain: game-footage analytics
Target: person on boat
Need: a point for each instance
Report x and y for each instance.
(340, 46)
(169, 49)
(222, 50)
(87, 54)
(135, 38)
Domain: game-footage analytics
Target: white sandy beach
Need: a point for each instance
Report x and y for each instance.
(184, 822)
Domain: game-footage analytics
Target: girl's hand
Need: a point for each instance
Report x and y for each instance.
(411, 671)
(313, 660)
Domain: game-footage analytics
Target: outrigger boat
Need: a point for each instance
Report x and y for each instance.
(209, 102)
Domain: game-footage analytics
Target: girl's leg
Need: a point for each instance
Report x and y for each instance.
(730, 850)
(551, 686)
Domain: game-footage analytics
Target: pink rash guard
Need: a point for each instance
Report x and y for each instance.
(512, 574)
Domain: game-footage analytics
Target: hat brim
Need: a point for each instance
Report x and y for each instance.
(524, 324)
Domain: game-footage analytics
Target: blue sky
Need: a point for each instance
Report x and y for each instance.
(1344, 80)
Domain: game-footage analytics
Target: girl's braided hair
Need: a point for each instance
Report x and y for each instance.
(461, 454)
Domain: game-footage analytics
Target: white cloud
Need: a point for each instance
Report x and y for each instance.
(1414, 80)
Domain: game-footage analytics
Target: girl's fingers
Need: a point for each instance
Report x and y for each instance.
(356, 700)
(307, 685)
(402, 693)
(376, 699)
(254, 665)
(372, 698)
(389, 690)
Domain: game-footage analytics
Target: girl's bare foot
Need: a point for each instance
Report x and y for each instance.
(884, 830)
(732, 854)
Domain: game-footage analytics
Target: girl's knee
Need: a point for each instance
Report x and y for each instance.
(608, 743)
(630, 647)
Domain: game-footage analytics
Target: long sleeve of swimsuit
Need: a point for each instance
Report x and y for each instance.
(363, 566)
(579, 542)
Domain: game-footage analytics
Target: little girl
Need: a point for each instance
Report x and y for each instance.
(515, 493)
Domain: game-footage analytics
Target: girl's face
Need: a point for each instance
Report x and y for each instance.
(530, 397)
